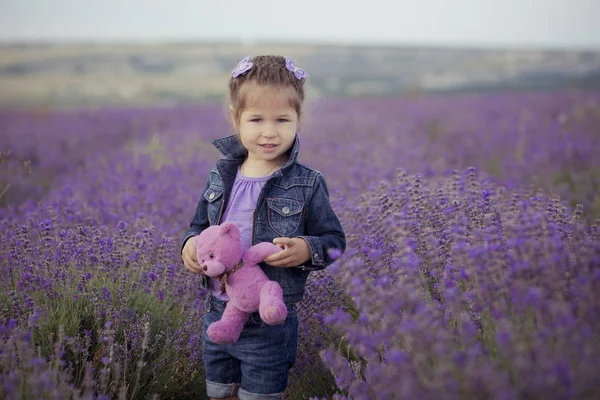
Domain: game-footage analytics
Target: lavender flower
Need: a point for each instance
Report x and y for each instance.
(458, 282)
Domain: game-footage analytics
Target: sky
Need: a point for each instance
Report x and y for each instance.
(490, 23)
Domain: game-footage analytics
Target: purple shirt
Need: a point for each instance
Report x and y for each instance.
(239, 210)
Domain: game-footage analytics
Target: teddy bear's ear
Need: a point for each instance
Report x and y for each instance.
(230, 229)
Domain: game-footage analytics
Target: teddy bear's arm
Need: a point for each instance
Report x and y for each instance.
(259, 252)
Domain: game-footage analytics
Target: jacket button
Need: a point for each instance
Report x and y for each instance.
(211, 196)
(316, 256)
(285, 210)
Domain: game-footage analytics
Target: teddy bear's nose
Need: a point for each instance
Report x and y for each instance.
(204, 268)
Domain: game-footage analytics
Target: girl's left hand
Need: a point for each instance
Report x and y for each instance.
(295, 252)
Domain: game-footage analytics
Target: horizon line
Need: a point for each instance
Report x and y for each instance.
(425, 45)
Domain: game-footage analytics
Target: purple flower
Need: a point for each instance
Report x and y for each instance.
(513, 315)
(243, 66)
(334, 253)
(106, 295)
(298, 72)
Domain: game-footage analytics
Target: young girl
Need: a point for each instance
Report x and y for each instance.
(260, 186)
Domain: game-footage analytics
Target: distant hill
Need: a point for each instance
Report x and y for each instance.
(68, 75)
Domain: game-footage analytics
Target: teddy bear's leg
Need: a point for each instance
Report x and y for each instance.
(272, 309)
(227, 330)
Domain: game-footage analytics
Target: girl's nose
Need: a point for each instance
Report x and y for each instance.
(270, 131)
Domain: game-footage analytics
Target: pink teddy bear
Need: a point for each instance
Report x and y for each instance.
(219, 252)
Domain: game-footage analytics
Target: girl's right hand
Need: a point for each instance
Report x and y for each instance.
(188, 255)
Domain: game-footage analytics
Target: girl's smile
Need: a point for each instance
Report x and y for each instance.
(268, 148)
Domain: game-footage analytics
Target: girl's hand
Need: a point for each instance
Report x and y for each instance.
(295, 252)
(188, 255)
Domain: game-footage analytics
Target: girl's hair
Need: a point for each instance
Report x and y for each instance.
(267, 70)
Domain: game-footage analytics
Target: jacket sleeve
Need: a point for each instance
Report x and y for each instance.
(200, 219)
(324, 232)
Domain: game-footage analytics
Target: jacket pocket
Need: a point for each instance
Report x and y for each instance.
(284, 215)
(213, 196)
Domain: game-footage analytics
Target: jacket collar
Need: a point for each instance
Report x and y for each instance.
(232, 149)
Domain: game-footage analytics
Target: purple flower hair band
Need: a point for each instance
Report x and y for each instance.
(246, 65)
(298, 72)
(243, 66)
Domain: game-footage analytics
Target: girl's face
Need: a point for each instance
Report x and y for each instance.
(268, 124)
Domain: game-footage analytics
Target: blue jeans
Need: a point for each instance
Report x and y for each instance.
(257, 364)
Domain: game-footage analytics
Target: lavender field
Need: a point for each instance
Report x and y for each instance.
(472, 270)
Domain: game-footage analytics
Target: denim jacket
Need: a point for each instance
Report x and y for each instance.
(293, 203)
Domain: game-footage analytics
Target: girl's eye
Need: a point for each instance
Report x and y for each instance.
(212, 255)
(255, 120)
(283, 120)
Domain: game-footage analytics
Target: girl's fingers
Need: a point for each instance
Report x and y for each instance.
(284, 262)
(283, 242)
(191, 253)
(191, 265)
(280, 255)
(290, 261)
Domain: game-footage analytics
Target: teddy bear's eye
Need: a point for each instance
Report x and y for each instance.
(212, 255)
